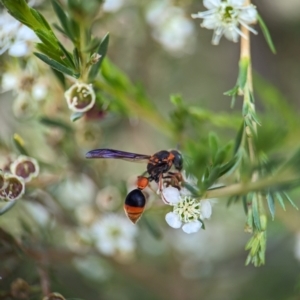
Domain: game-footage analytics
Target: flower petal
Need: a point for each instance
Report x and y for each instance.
(209, 4)
(236, 3)
(170, 195)
(192, 227)
(173, 220)
(249, 15)
(206, 209)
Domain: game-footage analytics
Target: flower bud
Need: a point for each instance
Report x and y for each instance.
(95, 58)
(54, 296)
(14, 189)
(25, 167)
(20, 289)
(80, 97)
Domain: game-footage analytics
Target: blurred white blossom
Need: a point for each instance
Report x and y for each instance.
(15, 37)
(225, 17)
(38, 212)
(112, 5)
(170, 27)
(114, 235)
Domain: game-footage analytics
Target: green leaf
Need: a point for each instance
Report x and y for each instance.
(40, 18)
(255, 212)
(232, 199)
(266, 33)
(56, 65)
(243, 72)
(213, 145)
(271, 204)
(63, 18)
(7, 207)
(101, 51)
(233, 93)
(19, 144)
(68, 56)
(76, 116)
(228, 166)
(280, 200)
(290, 200)
(76, 58)
(239, 138)
(55, 123)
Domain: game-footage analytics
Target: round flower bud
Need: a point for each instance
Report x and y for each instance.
(20, 289)
(80, 97)
(15, 188)
(25, 167)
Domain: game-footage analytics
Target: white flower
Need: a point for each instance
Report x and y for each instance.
(171, 28)
(80, 97)
(25, 85)
(114, 235)
(188, 212)
(15, 38)
(225, 16)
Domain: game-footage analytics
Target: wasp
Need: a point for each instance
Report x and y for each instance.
(159, 167)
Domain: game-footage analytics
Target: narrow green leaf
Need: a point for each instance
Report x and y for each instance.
(76, 116)
(266, 33)
(59, 29)
(63, 18)
(228, 166)
(255, 212)
(271, 205)
(243, 72)
(76, 58)
(233, 93)
(56, 65)
(19, 144)
(68, 56)
(280, 200)
(239, 138)
(7, 207)
(213, 145)
(232, 199)
(55, 123)
(40, 18)
(101, 51)
(290, 200)
(255, 119)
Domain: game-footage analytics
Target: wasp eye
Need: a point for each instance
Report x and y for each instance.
(178, 159)
(134, 205)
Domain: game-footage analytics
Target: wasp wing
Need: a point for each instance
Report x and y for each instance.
(116, 154)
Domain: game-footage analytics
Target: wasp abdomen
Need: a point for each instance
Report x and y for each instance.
(134, 205)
